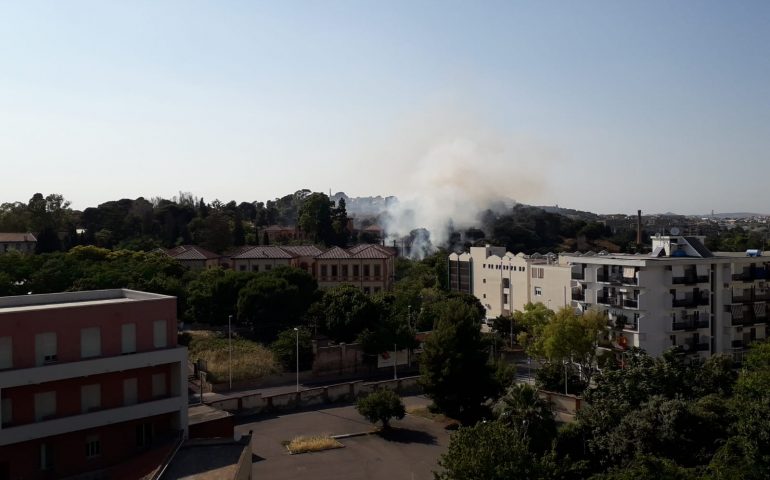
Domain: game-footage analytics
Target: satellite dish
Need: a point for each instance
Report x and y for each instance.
(674, 231)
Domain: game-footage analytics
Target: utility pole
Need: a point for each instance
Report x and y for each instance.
(230, 350)
(297, 330)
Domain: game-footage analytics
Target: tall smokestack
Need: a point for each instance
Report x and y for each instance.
(638, 228)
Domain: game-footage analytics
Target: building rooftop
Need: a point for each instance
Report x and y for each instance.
(215, 459)
(74, 299)
(17, 237)
(191, 252)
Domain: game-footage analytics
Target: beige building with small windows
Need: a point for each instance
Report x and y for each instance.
(260, 259)
(504, 282)
(368, 266)
(18, 242)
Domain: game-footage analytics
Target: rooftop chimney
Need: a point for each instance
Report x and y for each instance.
(638, 228)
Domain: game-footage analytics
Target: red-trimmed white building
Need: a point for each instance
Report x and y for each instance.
(88, 380)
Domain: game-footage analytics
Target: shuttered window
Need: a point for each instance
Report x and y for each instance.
(6, 353)
(90, 342)
(159, 334)
(128, 338)
(45, 348)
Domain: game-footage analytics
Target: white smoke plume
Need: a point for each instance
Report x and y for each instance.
(446, 166)
(455, 182)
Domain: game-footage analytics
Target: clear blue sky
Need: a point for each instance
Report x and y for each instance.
(605, 106)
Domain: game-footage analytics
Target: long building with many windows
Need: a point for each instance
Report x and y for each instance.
(88, 380)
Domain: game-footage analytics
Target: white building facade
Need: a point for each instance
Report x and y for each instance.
(504, 282)
(679, 296)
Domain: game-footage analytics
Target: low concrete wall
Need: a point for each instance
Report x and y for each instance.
(565, 407)
(344, 392)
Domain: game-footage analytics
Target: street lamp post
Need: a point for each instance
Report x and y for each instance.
(230, 350)
(395, 358)
(297, 330)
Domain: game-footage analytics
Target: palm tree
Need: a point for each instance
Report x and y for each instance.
(522, 408)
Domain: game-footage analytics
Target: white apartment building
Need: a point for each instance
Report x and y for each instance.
(680, 295)
(504, 282)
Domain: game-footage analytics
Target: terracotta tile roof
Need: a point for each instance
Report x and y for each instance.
(17, 237)
(334, 252)
(302, 250)
(371, 251)
(263, 252)
(365, 246)
(191, 252)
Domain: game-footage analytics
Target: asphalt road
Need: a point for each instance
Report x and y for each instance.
(411, 453)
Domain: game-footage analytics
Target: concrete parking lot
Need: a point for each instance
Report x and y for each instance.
(410, 453)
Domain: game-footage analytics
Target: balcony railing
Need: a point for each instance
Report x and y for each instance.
(694, 347)
(631, 303)
(752, 296)
(690, 324)
(690, 279)
(751, 275)
(579, 275)
(579, 296)
(690, 301)
(737, 344)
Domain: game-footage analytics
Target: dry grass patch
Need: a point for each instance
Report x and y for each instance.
(250, 359)
(316, 443)
(424, 412)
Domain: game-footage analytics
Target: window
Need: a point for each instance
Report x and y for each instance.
(45, 348)
(366, 270)
(90, 397)
(355, 271)
(376, 270)
(538, 291)
(129, 391)
(46, 456)
(255, 268)
(506, 283)
(90, 342)
(45, 405)
(159, 333)
(159, 385)
(505, 299)
(538, 273)
(7, 414)
(242, 268)
(144, 434)
(268, 268)
(344, 271)
(323, 270)
(128, 338)
(6, 353)
(93, 447)
(334, 270)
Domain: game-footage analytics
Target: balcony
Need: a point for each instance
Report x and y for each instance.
(751, 296)
(690, 280)
(748, 318)
(690, 301)
(691, 347)
(581, 275)
(578, 295)
(630, 303)
(738, 344)
(750, 275)
(690, 324)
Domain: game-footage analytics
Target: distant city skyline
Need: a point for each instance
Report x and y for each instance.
(599, 106)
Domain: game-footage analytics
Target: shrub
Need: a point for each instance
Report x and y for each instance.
(381, 405)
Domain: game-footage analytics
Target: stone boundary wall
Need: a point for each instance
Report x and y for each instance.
(564, 406)
(250, 404)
